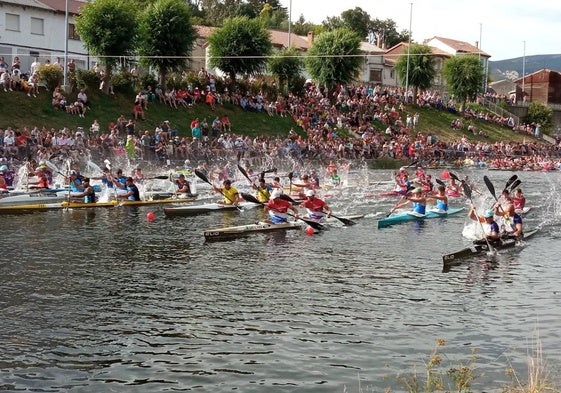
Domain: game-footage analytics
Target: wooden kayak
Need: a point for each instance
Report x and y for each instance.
(35, 207)
(480, 248)
(264, 227)
(399, 218)
(245, 230)
(192, 210)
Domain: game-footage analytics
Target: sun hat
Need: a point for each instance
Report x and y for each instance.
(417, 190)
(310, 193)
(488, 213)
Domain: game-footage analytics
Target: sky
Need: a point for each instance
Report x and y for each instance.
(506, 28)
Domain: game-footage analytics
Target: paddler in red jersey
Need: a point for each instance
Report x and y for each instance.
(278, 208)
(317, 208)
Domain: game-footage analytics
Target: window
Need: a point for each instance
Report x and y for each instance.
(37, 26)
(376, 75)
(12, 22)
(72, 33)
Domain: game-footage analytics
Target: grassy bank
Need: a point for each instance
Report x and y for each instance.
(18, 110)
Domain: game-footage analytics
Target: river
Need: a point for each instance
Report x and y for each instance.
(108, 301)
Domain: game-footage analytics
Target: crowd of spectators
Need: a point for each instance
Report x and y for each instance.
(353, 122)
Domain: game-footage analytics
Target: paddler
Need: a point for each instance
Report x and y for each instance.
(316, 207)
(278, 208)
(231, 195)
(183, 187)
(263, 190)
(518, 200)
(512, 223)
(88, 194)
(441, 199)
(418, 200)
(490, 226)
(132, 193)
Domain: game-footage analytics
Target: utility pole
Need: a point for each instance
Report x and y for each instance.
(408, 55)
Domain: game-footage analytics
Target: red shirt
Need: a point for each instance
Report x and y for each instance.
(314, 204)
(279, 205)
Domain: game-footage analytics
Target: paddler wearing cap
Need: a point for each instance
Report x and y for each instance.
(278, 208)
(316, 207)
(490, 226)
(418, 200)
(511, 226)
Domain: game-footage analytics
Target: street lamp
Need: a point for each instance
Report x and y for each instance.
(524, 71)
(65, 71)
(289, 21)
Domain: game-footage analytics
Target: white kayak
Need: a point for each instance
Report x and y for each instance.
(191, 210)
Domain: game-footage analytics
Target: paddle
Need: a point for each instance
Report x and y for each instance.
(313, 224)
(512, 179)
(290, 176)
(160, 177)
(440, 182)
(467, 192)
(409, 188)
(491, 187)
(515, 185)
(204, 178)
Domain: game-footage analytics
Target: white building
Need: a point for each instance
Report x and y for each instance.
(36, 28)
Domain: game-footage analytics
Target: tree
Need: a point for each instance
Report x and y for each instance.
(301, 27)
(355, 19)
(274, 18)
(108, 30)
(464, 76)
(335, 58)
(286, 66)
(539, 113)
(166, 36)
(421, 68)
(384, 33)
(241, 46)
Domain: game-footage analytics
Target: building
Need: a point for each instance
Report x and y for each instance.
(36, 28)
(541, 86)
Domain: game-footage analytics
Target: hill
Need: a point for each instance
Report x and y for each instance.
(512, 68)
(20, 111)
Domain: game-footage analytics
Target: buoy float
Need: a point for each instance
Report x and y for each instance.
(150, 216)
(309, 231)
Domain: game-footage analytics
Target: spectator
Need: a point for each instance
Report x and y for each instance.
(138, 111)
(6, 81)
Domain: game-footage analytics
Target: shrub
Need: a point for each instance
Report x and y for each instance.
(123, 82)
(51, 75)
(147, 79)
(87, 78)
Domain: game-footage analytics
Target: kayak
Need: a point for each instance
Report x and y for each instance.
(245, 230)
(264, 227)
(192, 210)
(399, 218)
(34, 207)
(479, 248)
(31, 198)
(525, 210)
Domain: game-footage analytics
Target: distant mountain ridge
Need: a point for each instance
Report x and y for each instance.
(512, 68)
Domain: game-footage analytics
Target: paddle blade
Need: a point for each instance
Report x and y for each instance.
(467, 190)
(244, 172)
(251, 198)
(344, 220)
(202, 176)
(515, 185)
(510, 181)
(440, 182)
(288, 198)
(453, 176)
(490, 186)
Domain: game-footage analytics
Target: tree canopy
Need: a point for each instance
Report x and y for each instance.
(108, 29)
(464, 77)
(240, 46)
(286, 66)
(335, 57)
(421, 68)
(166, 36)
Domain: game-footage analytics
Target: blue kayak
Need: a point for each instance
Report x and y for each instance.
(398, 218)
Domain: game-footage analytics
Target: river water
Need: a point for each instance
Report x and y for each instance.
(107, 301)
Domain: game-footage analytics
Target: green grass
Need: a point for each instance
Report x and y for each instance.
(20, 111)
